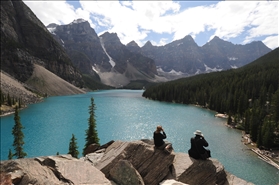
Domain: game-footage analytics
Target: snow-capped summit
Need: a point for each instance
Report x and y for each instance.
(52, 27)
(77, 21)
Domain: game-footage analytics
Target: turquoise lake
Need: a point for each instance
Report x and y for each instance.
(126, 115)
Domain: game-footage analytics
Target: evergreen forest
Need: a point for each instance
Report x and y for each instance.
(249, 95)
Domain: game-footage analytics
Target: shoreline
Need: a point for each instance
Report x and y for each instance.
(270, 157)
(11, 110)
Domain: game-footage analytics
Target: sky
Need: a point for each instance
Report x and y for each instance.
(161, 22)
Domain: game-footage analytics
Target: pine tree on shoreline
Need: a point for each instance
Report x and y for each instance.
(91, 132)
(73, 148)
(18, 136)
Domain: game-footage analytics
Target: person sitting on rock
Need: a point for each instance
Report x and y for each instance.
(197, 150)
(159, 135)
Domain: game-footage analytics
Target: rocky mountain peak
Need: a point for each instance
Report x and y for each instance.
(147, 47)
(77, 21)
(52, 25)
(187, 41)
(217, 40)
(110, 37)
(132, 43)
(133, 47)
(189, 38)
(148, 44)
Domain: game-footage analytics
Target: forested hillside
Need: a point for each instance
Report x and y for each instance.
(250, 96)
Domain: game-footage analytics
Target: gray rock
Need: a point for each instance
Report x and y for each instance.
(125, 174)
(171, 182)
(198, 172)
(121, 163)
(233, 180)
(152, 164)
(66, 168)
(92, 148)
(54, 170)
(34, 172)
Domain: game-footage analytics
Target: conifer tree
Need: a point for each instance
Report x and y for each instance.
(2, 98)
(9, 101)
(10, 156)
(18, 136)
(91, 132)
(73, 148)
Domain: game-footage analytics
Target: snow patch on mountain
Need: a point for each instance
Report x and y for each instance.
(232, 58)
(173, 72)
(94, 69)
(62, 42)
(112, 63)
(171, 75)
(198, 72)
(77, 21)
(208, 69)
(52, 30)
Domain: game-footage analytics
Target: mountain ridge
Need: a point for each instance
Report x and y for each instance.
(106, 56)
(184, 55)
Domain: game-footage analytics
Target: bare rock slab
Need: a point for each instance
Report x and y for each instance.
(199, 172)
(125, 174)
(152, 164)
(53, 170)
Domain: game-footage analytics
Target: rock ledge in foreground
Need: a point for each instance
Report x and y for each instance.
(122, 163)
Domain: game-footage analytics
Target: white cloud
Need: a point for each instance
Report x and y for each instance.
(59, 12)
(271, 42)
(135, 20)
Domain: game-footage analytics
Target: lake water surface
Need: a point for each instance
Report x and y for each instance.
(126, 115)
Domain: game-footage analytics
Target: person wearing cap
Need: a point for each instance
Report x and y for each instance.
(158, 136)
(197, 150)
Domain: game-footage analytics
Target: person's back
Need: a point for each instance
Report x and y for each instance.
(197, 150)
(158, 136)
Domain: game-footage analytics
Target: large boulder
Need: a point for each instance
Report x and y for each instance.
(125, 174)
(198, 172)
(152, 164)
(54, 170)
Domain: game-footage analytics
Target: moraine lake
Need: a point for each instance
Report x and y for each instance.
(126, 115)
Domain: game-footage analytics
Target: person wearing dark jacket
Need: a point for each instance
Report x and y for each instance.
(158, 136)
(197, 150)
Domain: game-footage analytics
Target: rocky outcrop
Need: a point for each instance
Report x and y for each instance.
(152, 164)
(210, 172)
(53, 170)
(135, 162)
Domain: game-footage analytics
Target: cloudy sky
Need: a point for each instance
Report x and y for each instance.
(162, 22)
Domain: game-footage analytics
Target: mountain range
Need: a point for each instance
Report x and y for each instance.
(186, 57)
(76, 54)
(102, 55)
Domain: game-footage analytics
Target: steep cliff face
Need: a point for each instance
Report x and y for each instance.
(122, 56)
(25, 41)
(82, 44)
